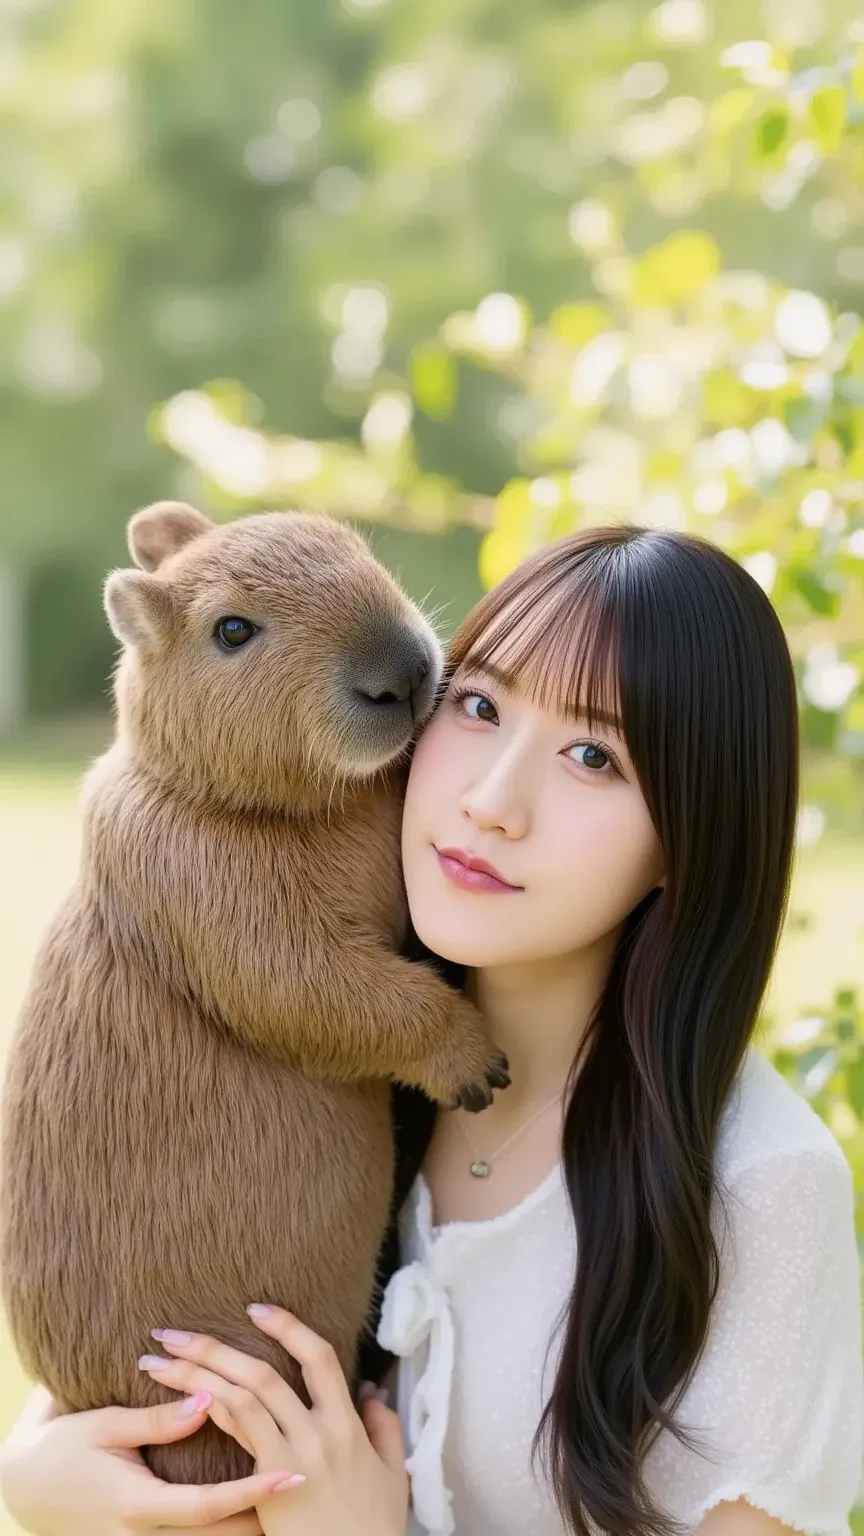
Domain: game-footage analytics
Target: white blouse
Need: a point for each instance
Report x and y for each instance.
(777, 1397)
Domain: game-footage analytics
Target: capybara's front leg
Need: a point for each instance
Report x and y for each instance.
(285, 971)
(374, 1014)
(398, 1019)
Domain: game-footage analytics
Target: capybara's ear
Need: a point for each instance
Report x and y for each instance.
(139, 608)
(156, 532)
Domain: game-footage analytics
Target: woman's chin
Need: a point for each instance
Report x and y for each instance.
(476, 947)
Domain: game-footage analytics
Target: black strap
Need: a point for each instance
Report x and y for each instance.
(413, 1123)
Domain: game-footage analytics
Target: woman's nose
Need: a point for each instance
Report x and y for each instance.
(497, 802)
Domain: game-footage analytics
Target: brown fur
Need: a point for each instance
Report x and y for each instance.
(196, 1107)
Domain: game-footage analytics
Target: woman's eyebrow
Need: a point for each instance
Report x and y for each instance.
(499, 677)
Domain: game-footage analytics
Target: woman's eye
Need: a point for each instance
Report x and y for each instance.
(233, 632)
(595, 758)
(478, 707)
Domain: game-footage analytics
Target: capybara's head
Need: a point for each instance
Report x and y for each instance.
(265, 660)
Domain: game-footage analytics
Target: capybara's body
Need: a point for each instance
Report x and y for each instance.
(196, 1106)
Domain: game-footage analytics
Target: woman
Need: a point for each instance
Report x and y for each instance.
(599, 829)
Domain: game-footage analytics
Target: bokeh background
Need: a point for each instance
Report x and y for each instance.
(470, 274)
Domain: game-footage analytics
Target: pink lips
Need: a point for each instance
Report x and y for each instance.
(470, 873)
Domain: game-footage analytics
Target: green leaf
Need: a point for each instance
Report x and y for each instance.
(434, 380)
(664, 464)
(518, 522)
(726, 401)
(678, 269)
(578, 324)
(731, 108)
(514, 507)
(855, 1085)
(855, 355)
(828, 116)
(771, 132)
(821, 600)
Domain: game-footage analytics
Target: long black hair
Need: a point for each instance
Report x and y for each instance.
(687, 645)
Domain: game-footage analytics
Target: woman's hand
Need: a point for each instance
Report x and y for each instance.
(81, 1474)
(350, 1472)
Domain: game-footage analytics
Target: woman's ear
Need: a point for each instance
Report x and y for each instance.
(139, 608)
(156, 532)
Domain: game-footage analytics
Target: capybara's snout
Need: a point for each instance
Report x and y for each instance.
(398, 665)
(392, 681)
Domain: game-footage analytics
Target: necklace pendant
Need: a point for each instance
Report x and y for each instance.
(480, 1169)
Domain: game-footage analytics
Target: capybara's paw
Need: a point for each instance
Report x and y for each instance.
(474, 1068)
(477, 1096)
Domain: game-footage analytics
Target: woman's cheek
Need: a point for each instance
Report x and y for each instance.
(418, 816)
(602, 859)
(427, 778)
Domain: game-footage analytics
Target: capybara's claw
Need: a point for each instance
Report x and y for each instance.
(471, 1068)
(498, 1071)
(474, 1097)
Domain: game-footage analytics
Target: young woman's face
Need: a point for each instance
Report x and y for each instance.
(553, 808)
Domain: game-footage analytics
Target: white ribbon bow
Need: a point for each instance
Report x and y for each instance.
(414, 1309)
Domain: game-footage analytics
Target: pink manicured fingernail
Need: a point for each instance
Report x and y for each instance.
(192, 1405)
(171, 1336)
(153, 1362)
(289, 1482)
(258, 1309)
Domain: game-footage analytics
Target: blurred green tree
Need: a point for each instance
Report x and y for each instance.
(300, 197)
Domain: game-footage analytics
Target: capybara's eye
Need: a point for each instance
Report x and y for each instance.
(233, 632)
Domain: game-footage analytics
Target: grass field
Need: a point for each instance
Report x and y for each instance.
(822, 947)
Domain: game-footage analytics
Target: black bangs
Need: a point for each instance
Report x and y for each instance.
(555, 636)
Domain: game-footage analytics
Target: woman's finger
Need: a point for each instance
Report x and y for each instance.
(181, 1375)
(318, 1360)
(384, 1429)
(255, 1427)
(181, 1504)
(235, 1525)
(117, 1428)
(256, 1376)
(224, 1420)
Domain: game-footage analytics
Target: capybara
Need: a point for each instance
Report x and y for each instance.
(196, 1109)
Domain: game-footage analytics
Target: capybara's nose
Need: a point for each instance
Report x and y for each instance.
(394, 676)
(397, 688)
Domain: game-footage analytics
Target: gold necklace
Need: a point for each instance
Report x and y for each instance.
(481, 1167)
